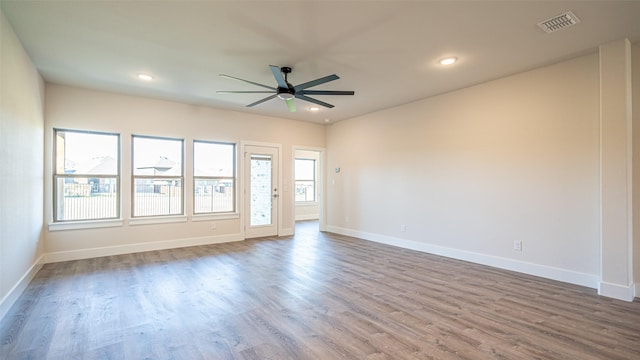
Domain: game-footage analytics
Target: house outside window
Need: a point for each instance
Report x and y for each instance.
(157, 179)
(214, 177)
(86, 179)
(305, 180)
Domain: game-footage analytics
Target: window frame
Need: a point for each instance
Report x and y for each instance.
(233, 178)
(56, 176)
(314, 181)
(153, 177)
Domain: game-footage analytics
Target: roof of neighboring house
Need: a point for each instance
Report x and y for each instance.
(103, 165)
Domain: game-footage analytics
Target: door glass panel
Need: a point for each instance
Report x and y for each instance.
(260, 190)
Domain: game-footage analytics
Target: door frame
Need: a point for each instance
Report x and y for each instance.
(244, 217)
(320, 183)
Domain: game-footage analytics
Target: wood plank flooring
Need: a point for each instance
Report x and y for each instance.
(311, 296)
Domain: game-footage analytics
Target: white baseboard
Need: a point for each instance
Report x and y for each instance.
(140, 247)
(617, 291)
(564, 275)
(7, 302)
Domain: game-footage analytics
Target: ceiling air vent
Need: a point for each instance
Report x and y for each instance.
(559, 22)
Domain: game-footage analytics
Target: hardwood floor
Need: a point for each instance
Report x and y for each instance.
(312, 296)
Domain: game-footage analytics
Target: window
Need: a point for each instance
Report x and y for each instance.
(157, 176)
(305, 174)
(214, 177)
(86, 176)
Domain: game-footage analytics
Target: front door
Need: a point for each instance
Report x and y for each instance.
(261, 193)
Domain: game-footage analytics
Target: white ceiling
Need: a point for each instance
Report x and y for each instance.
(386, 51)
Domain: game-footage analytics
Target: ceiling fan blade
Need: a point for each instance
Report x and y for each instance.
(316, 82)
(279, 77)
(242, 92)
(312, 100)
(291, 105)
(262, 100)
(247, 81)
(327, 92)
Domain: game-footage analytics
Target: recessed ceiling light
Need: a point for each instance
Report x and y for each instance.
(314, 109)
(326, 120)
(448, 61)
(145, 77)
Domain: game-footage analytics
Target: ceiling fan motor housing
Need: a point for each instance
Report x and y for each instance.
(289, 92)
(286, 94)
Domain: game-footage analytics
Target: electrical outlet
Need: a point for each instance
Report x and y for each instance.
(346, 219)
(403, 228)
(213, 226)
(517, 245)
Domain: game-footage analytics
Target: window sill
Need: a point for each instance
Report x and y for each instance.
(209, 217)
(78, 225)
(307, 203)
(157, 220)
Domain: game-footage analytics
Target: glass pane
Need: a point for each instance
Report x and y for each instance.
(152, 197)
(86, 198)
(305, 191)
(83, 153)
(213, 195)
(213, 159)
(260, 190)
(155, 156)
(305, 169)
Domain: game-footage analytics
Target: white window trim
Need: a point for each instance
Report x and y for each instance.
(164, 219)
(306, 203)
(314, 180)
(85, 224)
(57, 224)
(215, 216)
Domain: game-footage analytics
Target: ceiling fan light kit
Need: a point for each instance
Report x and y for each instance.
(285, 96)
(288, 92)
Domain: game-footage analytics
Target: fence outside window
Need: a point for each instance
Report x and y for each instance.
(157, 179)
(213, 177)
(86, 176)
(305, 180)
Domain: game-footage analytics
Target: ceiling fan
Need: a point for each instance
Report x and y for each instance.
(288, 92)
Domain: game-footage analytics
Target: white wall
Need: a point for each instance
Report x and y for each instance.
(635, 73)
(470, 172)
(616, 158)
(21, 167)
(74, 108)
